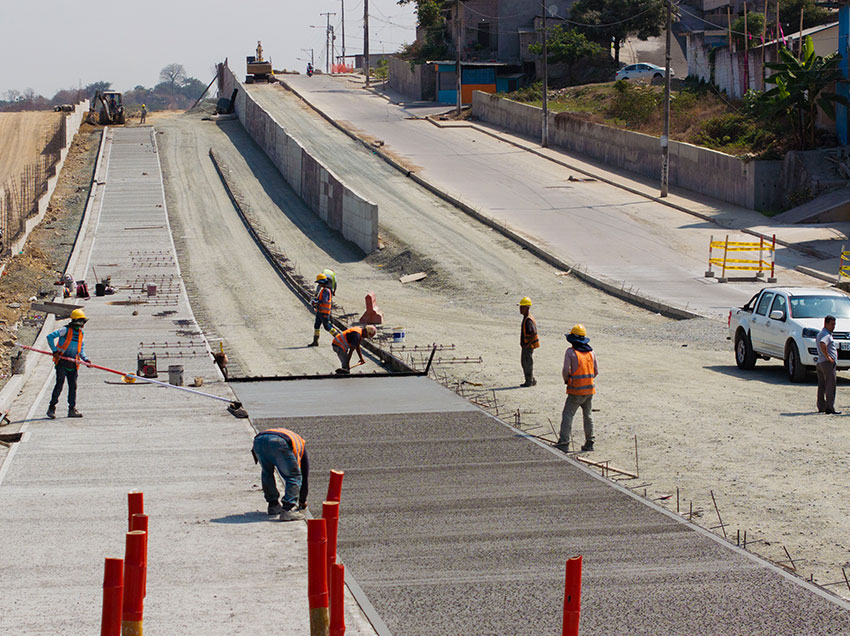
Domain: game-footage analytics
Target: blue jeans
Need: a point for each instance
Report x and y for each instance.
(62, 373)
(272, 452)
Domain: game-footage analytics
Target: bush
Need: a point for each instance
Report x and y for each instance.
(633, 104)
(731, 131)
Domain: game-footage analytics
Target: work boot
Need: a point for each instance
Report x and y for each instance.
(73, 412)
(342, 372)
(275, 508)
(51, 411)
(564, 447)
(292, 515)
(315, 342)
(588, 446)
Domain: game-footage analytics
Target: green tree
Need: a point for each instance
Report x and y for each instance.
(755, 27)
(567, 46)
(801, 88)
(612, 21)
(813, 15)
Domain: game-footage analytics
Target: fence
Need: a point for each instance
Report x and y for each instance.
(759, 265)
(20, 194)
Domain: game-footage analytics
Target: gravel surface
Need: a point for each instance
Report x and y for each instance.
(777, 470)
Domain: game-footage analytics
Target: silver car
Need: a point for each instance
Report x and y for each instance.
(642, 71)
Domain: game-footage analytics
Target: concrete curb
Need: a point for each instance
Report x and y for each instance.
(633, 297)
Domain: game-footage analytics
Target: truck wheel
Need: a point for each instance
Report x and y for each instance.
(745, 357)
(793, 367)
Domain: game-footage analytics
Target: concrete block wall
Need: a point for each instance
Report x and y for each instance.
(342, 209)
(419, 83)
(753, 184)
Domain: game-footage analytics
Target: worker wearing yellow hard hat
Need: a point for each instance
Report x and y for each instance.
(67, 353)
(323, 303)
(528, 341)
(144, 114)
(580, 370)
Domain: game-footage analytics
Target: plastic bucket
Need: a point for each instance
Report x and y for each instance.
(175, 374)
(398, 334)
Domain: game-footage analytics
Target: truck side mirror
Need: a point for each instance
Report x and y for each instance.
(777, 314)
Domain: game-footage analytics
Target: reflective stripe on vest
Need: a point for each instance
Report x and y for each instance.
(295, 440)
(581, 380)
(528, 340)
(325, 300)
(341, 341)
(63, 347)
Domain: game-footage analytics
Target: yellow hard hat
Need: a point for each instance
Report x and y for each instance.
(525, 302)
(78, 314)
(578, 330)
(320, 277)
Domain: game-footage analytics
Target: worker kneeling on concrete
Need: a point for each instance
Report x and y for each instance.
(70, 346)
(281, 449)
(347, 342)
(579, 371)
(323, 302)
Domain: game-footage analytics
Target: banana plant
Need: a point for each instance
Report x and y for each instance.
(801, 87)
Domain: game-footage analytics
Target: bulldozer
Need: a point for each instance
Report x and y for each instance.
(259, 69)
(106, 109)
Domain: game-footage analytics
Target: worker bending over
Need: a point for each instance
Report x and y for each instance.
(323, 302)
(579, 370)
(528, 341)
(281, 449)
(70, 346)
(347, 342)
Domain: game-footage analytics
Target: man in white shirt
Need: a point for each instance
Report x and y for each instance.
(826, 369)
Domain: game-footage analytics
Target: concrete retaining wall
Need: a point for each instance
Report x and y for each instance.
(331, 200)
(751, 184)
(419, 83)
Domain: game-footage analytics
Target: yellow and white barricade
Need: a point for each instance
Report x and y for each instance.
(766, 249)
(844, 266)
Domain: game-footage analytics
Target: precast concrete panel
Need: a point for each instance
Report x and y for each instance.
(335, 201)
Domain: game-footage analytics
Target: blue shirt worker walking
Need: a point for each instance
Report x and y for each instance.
(282, 450)
(70, 345)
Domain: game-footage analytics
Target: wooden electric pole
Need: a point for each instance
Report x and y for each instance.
(366, 40)
(544, 136)
(665, 134)
(458, 36)
(328, 32)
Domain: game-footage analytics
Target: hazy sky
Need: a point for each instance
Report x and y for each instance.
(51, 44)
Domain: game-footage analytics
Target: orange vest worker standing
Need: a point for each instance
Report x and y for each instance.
(528, 341)
(579, 372)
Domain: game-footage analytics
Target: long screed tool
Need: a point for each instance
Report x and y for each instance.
(234, 407)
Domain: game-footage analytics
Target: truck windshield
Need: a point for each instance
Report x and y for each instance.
(820, 306)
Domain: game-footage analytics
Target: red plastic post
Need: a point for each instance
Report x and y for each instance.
(317, 576)
(330, 513)
(134, 577)
(572, 597)
(140, 522)
(337, 600)
(135, 506)
(335, 486)
(113, 593)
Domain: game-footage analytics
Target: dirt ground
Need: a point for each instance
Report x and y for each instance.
(32, 274)
(778, 471)
(24, 136)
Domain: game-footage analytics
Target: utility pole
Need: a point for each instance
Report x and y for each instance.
(746, 51)
(342, 19)
(366, 39)
(665, 134)
(544, 141)
(458, 30)
(328, 32)
(312, 57)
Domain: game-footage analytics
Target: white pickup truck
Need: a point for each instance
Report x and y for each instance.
(783, 322)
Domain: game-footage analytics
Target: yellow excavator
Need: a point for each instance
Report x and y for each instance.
(106, 109)
(259, 69)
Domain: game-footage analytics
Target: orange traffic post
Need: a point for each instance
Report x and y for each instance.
(317, 576)
(330, 513)
(335, 486)
(134, 578)
(572, 597)
(113, 596)
(140, 522)
(135, 506)
(337, 600)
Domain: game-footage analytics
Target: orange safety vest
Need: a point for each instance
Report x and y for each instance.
(528, 340)
(341, 341)
(296, 441)
(581, 380)
(324, 301)
(62, 350)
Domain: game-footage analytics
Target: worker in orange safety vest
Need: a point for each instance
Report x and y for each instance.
(70, 346)
(323, 303)
(528, 341)
(285, 451)
(580, 370)
(347, 342)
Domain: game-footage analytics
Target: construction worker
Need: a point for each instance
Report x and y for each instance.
(528, 341)
(322, 302)
(347, 342)
(144, 114)
(330, 274)
(70, 346)
(580, 368)
(281, 449)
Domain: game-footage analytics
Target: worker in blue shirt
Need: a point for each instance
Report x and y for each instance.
(70, 345)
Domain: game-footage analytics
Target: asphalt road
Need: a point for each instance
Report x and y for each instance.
(622, 237)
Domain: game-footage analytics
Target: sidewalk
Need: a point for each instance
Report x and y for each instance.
(217, 564)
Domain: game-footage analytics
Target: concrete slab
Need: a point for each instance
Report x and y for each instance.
(454, 523)
(347, 396)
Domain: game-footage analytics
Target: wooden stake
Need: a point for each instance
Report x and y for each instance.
(677, 500)
(793, 565)
(846, 580)
(745, 539)
(763, 46)
(800, 38)
(746, 52)
(722, 527)
(777, 30)
(637, 466)
(602, 466)
(731, 64)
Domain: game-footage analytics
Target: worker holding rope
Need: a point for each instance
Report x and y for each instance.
(70, 346)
